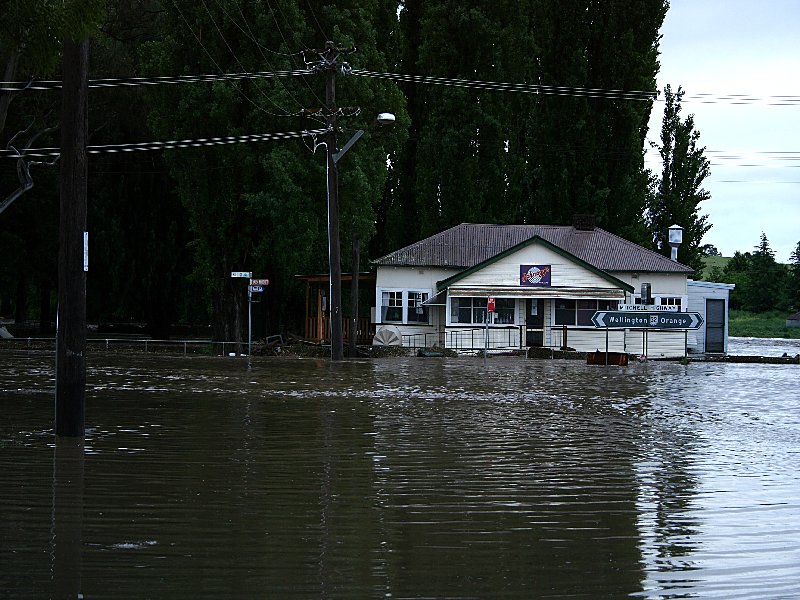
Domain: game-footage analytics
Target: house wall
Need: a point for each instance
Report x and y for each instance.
(418, 279)
(505, 271)
(661, 284)
(699, 292)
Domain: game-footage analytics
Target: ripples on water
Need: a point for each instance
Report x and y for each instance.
(403, 478)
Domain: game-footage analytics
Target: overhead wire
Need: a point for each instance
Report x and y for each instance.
(642, 95)
(239, 62)
(45, 85)
(200, 43)
(166, 145)
(261, 49)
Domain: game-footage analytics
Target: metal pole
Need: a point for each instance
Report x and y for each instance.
(486, 339)
(337, 348)
(249, 321)
(354, 294)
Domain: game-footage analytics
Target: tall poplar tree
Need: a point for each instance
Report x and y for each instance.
(262, 207)
(679, 191)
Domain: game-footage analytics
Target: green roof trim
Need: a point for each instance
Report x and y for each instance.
(445, 283)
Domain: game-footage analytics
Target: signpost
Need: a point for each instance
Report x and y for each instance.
(649, 307)
(662, 319)
(256, 286)
(647, 320)
(489, 310)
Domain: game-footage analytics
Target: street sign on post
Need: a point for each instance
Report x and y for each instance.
(648, 307)
(256, 288)
(490, 304)
(647, 320)
(261, 282)
(247, 274)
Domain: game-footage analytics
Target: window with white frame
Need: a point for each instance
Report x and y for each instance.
(504, 311)
(392, 307)
(417, 312)
(580, 312)
(671, 301)
(404, 306)
(468, 310)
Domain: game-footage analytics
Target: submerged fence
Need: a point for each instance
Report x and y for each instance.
(135, 344)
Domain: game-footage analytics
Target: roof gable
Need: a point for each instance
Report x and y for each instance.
(534, 240)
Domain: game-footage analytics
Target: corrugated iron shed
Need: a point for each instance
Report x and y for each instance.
(470, 244)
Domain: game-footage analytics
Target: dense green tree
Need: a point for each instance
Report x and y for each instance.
(793, 282)
(587, 154)
(479, 155)
(764, 288)
(261, 207)
(31, 35)
(679, 192)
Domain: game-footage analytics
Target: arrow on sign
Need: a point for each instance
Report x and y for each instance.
(647, 320)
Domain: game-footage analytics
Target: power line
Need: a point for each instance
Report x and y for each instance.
(526, 88)
(21, 86)
(262, 48)
(741, 99)
(145, 146)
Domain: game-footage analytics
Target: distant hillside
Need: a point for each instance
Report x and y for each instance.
(709, 262)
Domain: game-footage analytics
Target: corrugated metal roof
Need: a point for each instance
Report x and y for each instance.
(470, 244)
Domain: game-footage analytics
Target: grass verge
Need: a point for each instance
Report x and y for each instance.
(761, 325)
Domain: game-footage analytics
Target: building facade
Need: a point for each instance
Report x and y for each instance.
(546, 283)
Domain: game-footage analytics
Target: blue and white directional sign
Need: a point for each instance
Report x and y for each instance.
(647, 320)
(256, 288)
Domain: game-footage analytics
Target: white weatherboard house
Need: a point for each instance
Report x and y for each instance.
(546, 281)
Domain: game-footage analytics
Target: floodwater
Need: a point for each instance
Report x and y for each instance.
(402, 478)
(746, 346)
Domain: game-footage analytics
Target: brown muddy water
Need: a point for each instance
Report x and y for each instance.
(401, 478)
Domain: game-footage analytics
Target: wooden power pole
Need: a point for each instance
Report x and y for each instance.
(71, 334)
(334, 251)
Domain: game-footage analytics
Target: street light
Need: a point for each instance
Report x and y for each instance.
(334, 256)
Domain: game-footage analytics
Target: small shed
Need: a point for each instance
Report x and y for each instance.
(711, 301)
(793, 320)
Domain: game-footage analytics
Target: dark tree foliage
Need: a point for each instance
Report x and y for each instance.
(501, 157)
(679, 192)
(762, 284)
(166, 229)
(793, 280)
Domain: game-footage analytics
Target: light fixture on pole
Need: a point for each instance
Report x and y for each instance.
(330, 64)
(675, 240)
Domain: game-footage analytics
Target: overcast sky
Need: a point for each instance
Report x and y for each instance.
(750, 47)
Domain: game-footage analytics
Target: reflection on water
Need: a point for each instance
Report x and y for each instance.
(402, 478)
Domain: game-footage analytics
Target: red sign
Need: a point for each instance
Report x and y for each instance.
(490, 304)
(259, 282)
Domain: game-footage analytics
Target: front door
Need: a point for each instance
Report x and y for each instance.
(534, 322)
(715, 325)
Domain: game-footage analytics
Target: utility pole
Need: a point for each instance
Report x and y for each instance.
(330, 56)
(72, 244)
(352, 347)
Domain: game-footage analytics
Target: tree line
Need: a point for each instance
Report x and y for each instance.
(167, 228)
(762, 284)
